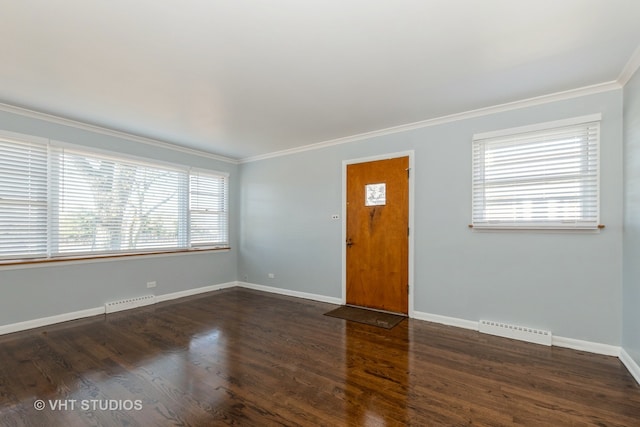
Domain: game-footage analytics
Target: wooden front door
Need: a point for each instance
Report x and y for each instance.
(378, 235)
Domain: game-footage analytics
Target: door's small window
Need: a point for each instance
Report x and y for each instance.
(376, 194)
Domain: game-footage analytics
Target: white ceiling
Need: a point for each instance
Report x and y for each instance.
(241, 78)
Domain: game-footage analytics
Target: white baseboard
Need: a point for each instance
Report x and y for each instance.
(445, 320)
(290, 293)
(588, 346)
(45, 321)
(65, 317)
(195, 291)
(630, 364)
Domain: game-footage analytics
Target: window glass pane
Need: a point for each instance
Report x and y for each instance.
(67, 200)
(540, 179)
(23, 198)
(375, 194)
(208, 214)
(105, 205)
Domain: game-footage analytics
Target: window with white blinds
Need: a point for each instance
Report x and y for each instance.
(102, 204)
(59, 200)
(23, 197)
(545, 177)
(208, 217)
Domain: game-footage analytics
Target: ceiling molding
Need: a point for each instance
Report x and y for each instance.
(558, 96)
(630, 68)
(111, 132)
(633, 64)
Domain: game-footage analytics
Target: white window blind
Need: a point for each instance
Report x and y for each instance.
(58, 200)
(544, 178)
(101, 204)
(23, 198)
(208, 214)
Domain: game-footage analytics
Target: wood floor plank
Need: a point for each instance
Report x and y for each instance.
(243, 357)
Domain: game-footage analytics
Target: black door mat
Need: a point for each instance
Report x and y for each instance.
(369, 317)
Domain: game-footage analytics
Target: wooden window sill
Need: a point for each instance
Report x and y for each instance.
(36, 261)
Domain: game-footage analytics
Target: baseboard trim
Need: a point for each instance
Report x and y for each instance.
(65, 317)
(195, 291)
(445, 320)
(290, 293)
(46, 321)
(630, 364)
(588, 346)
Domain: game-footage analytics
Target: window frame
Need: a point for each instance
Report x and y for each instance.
(223, 204)
(182, 208)
(548, 224)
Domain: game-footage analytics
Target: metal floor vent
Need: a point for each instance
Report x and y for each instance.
(522, 333)
(126, 304)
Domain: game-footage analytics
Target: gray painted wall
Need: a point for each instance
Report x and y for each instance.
(569, 283)
(29, 292)
(631, 287)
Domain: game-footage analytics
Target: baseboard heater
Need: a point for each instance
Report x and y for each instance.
(521, 333)
(128, 303)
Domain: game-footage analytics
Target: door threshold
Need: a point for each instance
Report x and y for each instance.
(377, 309)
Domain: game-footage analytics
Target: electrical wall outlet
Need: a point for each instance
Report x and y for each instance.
(272, 276)
(151, 284)
(335, 216)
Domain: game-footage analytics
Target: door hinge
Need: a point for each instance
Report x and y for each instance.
(408, 231)
(407, 289)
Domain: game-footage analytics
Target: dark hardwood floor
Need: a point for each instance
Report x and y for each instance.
(247, 358)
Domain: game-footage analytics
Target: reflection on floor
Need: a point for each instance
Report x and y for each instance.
(249, 358)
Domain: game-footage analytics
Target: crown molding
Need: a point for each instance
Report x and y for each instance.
(630, 68)
(530, 102)
(111, 132)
